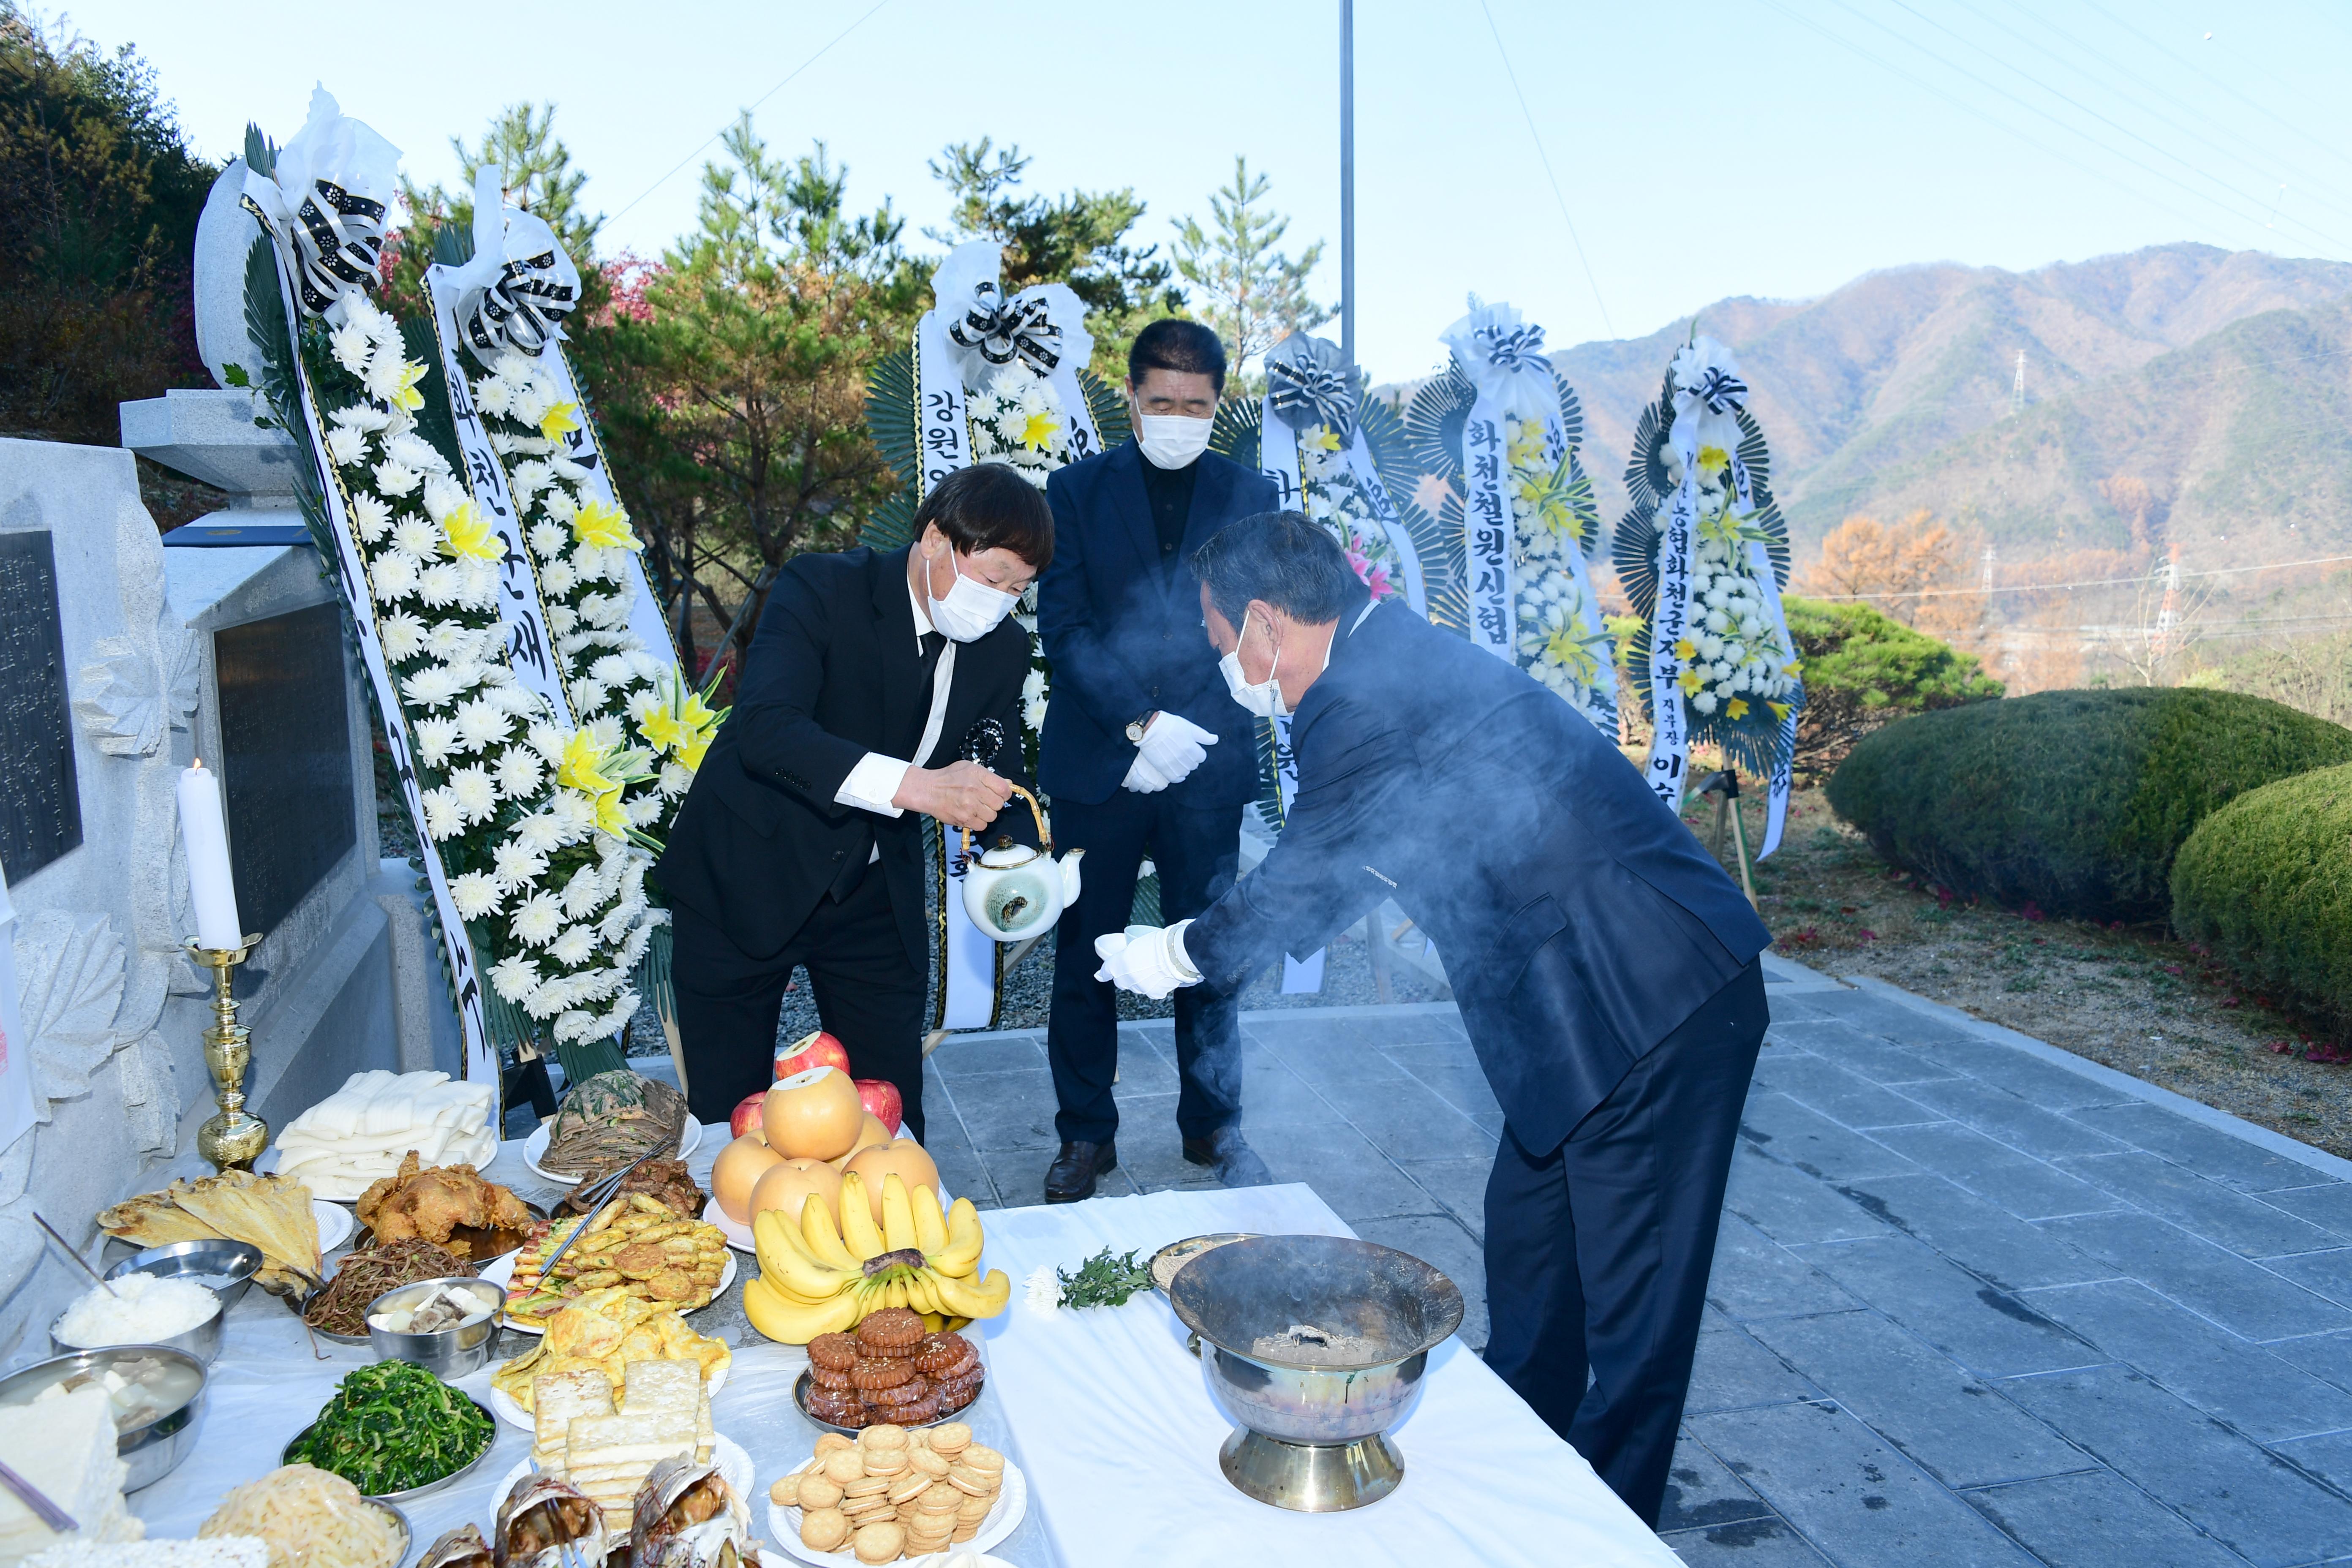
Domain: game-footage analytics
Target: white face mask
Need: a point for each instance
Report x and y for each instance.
(1171, 440)
(1262, 697)
(970, 611)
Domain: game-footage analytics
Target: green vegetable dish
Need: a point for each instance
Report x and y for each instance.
(392, 1427)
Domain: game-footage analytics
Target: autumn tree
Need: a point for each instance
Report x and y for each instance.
(733, 389)
(1080, 238)
(1244, 287)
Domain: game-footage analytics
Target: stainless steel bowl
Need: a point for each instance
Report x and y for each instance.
(1311, 1423)
(150, 1452)
(448, 1354)
(235, 1261)
(203, 1341)
(406, 1537)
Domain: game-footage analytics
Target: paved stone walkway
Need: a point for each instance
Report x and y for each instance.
(1969, 1305)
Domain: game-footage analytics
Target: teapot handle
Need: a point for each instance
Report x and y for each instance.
(1045, 834)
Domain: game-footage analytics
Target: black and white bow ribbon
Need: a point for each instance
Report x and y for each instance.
(1720, 390)
(338, 238)
(1001, 330)
(1520, 348)
(1308, 390)
(522, 308)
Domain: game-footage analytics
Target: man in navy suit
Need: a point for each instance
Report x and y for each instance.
(1606, 966)
(1142, 753)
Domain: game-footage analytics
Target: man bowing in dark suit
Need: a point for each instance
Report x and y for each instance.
(801, 840)
(1605, 964)
(1141, 751)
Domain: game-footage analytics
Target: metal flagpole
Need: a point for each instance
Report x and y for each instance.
(1348, 182)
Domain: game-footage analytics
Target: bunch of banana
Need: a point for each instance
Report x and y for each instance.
(816, 1279)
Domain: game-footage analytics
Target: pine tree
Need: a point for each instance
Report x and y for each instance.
(1247, 291)
(537, 177)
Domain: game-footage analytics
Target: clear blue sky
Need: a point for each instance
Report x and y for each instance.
(1719, 147)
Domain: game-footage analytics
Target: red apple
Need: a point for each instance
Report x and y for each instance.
(746, 1118)
(817, 1050)
(881, 1097)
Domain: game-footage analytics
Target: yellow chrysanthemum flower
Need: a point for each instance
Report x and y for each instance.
(469, 535)
(404, 393)
(1690, 682)
(1039, 431)
(605, 526)
(662, 729)
(560, 420)
(1324, 439)
(1736, 708)
(1686, 650)
(1713, 459)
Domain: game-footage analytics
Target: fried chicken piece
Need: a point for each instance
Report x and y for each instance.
(431, 1203)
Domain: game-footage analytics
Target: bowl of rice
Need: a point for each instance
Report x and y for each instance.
(142, 1309)
(311, 1519)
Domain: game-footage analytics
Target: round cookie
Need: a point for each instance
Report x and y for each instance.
(949, 1438)
(907, 1487)
(985, 1459)
(816, 1489)
(843, 1465)
(969, 1481)
(824, 1528)
(882, 1435)
(827, 1442)
(835, 1350)
(826, 1377)
(923, 1458)
(880, 1543)
(893, 1330)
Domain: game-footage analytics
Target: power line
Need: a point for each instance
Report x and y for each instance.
(2263, 110)
(2095, 583)
(1536, 136)
(755, 103)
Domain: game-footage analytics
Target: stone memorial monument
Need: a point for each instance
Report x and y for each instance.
(122, 656)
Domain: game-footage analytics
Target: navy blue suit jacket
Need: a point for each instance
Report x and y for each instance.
(1577, 919)
(1122, 628)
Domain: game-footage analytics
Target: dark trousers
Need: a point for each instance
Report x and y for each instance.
(1195, 850)
(1598, 1251)
(869, 996)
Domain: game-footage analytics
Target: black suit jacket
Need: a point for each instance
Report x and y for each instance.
(1577, 919)
(834, 673)
(1122, 630)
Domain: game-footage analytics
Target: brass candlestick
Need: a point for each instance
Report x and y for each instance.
(230, 1140)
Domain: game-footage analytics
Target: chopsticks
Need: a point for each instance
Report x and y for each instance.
(32, 1497)
(596, 1198)
(81, 1263)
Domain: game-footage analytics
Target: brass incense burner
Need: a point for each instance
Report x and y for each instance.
(230, 1139)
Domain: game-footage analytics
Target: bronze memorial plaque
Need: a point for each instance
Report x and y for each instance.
(40, 802)
(286, 763)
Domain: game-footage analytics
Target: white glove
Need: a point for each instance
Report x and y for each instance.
(1142, 777)
(1174, 745)
(1147, 959)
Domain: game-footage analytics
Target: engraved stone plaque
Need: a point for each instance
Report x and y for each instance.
(40, 802)
(285, 768)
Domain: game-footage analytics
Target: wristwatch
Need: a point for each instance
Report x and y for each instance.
(1135, 727)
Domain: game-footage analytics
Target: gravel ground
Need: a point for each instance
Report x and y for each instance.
(2132, 999)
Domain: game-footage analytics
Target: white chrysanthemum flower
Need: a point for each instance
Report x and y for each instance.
(443, 818)
(393, 576)
(443, 495)
(562, 618)
(477, 584)
(515, 978)
(558, 578)
(475, 893)
(588, 696)
(441, 585)
(612, 669)
(561, 505)
(351, 346)
(575, 812)
(411, 451)
(481, 724)
(516, 863)
(370, 516)
(573, 946)
(604, 610)
(394, 479)
(538, 920)
(436, 739)
(403, 636)
(1043, 1293)
(520, 772)
(676, 778)
(450, 641)
(584, 892)
(547, 739)
(644, 811)
(494, 395)
(548, 540)
(346, 446)
(476, 792)
(1705, 703)
(416, 537)
(529, 478)
(386, 376)
(431, 687)
(607, 731)
(540, 831)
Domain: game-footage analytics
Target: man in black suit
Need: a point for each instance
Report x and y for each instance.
(801, 840)
(1141, 753)
(1606, 966)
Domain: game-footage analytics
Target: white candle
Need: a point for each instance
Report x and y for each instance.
(214, 889)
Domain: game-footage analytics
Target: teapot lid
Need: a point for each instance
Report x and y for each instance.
(1007, 855)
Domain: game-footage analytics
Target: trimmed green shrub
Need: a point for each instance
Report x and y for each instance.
(1863, 671)
(2073, 801)
(2266, 883)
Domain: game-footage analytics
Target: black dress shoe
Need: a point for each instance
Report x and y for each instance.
(1237, 1164)
(1072, 1175)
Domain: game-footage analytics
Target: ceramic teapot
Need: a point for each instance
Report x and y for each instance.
(1014, 892)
